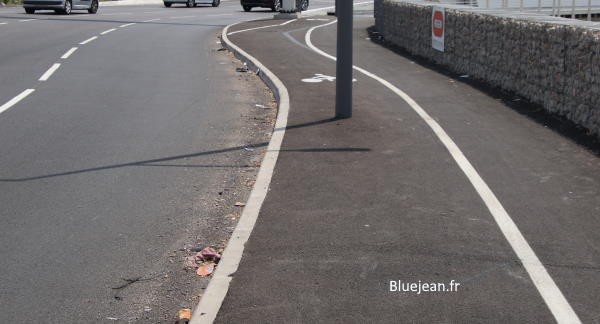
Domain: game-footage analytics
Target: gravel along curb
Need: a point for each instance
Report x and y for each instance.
(215, 293)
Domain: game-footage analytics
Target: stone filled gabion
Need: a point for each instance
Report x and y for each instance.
(556, 65)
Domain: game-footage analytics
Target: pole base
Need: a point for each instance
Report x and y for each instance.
(287, 15)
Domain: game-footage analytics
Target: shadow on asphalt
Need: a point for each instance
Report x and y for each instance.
(318, 122)
(157, 162)
(533, 111)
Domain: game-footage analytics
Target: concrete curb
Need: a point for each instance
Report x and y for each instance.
(215, 293)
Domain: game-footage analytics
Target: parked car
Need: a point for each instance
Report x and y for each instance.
(60, 6)
(275, 5)
(192, 3)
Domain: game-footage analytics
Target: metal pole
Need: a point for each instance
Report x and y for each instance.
(343, 85)
(487, 4)
(558, 8)
(288, 6)
(539, 5)
(521, 5)
(589, 10)
(573, 10)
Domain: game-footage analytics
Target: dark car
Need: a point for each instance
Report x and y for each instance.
(275, 5)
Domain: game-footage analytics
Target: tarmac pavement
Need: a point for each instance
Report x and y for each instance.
(357, 203)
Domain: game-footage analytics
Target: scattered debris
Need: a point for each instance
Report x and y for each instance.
(262, 106)
(112, 318)
(127, 282)
(184, 316)
(242, 69)
(248, 149)
(239, 204)
(134, 280)
(147, 309)
(190, 263)
(206, 270)
(221, 49)
(208, 254)
(464, 76)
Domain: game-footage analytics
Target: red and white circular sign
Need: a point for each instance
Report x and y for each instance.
(438, 23)
(438, 20)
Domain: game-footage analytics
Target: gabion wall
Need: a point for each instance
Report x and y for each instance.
(550, 61)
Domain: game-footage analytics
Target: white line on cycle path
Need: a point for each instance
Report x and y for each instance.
(555, 300)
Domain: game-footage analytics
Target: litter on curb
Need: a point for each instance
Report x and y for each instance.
(206, 270)
(190, 263)
(208, 254)
(184, 316)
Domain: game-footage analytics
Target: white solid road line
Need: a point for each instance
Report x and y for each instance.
(209, 305)
(108, 31)
(88, 40)
(68, 53)
(149, 20)
(216, 15)
(261, 27)
(2, 23)
(50, 71)
(25, 20)
(287, 22)
(126, 25)
(555, 300)
(15, 100)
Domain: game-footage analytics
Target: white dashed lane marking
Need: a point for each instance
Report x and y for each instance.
(108, 31)
(15, 100)
(50, 71)
(68, 53)
(88, 40)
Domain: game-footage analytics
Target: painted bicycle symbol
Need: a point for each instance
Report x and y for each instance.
(320, 78)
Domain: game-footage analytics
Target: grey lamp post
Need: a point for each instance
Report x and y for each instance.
(343, 87)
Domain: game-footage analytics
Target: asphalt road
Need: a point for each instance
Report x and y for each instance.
(131, 150)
